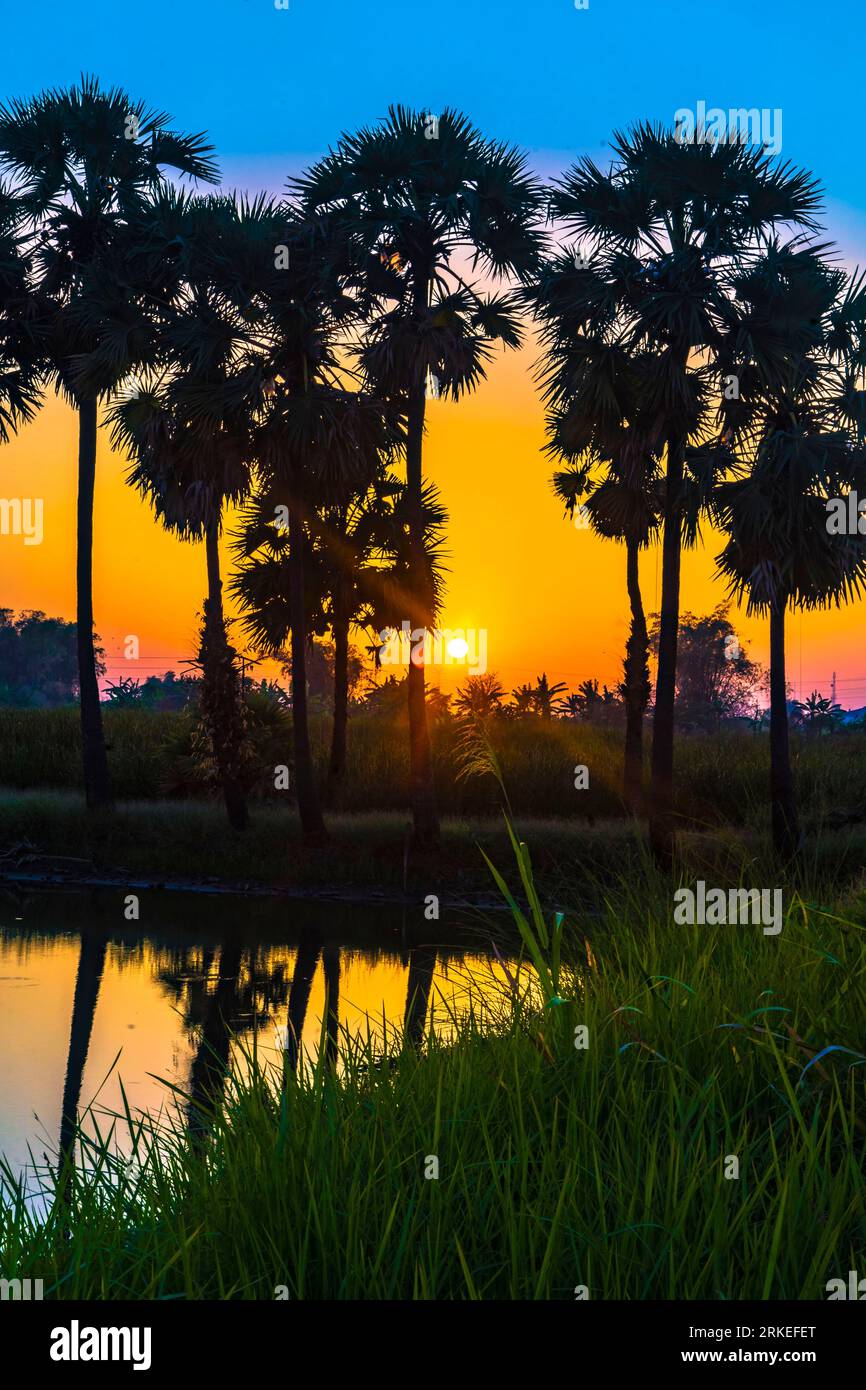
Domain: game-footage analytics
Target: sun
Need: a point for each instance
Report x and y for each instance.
(458, 648)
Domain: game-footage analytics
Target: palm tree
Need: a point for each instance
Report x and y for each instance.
(188, 432)
(21, 323)
(481, 697)
(674, 217)
(417, 195)
(796, 318)
(84, 162)
(315, 437)
(818, 714)
(601, 421)
(355, 576)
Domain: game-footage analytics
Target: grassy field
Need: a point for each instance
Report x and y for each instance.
(608, 1166)
(721, 778)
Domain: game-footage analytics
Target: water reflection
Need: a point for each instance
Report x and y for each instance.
(176, 992)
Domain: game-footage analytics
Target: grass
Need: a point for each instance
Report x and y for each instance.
(559, 1166)
(721, 778)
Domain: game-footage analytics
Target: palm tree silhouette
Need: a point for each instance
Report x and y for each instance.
(481, 697)
(22, 345)
(84, 162)
(673, 216)
(601, 420)
(189, 431)
(796, 318)
(355, 575)
(316, 437)
(416, 194)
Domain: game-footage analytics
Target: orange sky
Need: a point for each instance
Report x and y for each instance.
(550, 597)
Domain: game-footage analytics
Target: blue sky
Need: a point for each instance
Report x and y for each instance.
(274, 87)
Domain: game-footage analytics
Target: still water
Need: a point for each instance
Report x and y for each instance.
(93, 1005)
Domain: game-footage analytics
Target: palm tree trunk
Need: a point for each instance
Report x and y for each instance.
(337, 765)
(421, 793)
(635, 685)
(306, 790)
(227, 730)
(662, 784)
(97, 789)
(786, 833)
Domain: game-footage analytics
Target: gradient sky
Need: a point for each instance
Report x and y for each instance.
(274, 88)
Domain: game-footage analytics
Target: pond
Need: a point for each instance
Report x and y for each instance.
(93, 1006)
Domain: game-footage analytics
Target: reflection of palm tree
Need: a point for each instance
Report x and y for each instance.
(422, 963)
(210, 1064)
(309, 947)
(331, 968)
(91, 961)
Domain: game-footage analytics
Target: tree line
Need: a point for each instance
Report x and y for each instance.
(700, 358)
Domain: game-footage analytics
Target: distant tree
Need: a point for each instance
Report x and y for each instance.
(818, 714)
(39, 660)
(480, 697)
(156, 693)
(591, 704)
(716, 680)
(541, 699)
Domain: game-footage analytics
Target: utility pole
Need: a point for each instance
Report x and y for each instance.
(833, 689)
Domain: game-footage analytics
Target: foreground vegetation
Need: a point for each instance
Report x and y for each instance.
(559, 1166)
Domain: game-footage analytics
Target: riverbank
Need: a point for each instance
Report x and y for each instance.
(46, 838)
(684, 1118)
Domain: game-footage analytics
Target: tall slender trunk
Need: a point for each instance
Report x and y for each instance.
(91, 962)
(306, 790)
(662, 784)
(635, 685)
(227, 731)
(337, 765)
(97, 789)
(786, 832)
(421, 792)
